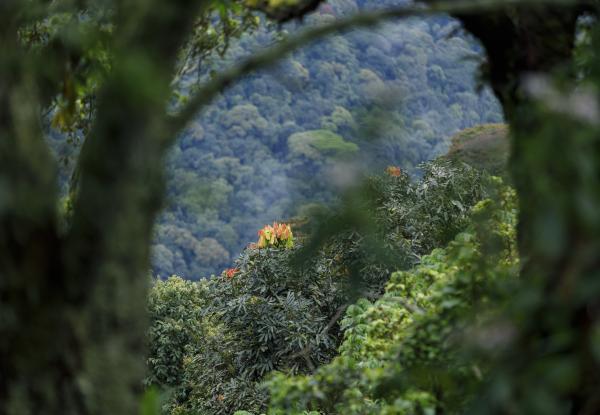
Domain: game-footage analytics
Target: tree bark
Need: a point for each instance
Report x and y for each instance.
(558, 232)
(72, 304)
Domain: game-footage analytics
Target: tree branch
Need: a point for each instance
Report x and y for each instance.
(341, 309)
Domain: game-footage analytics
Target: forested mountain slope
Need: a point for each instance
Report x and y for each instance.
(214, 342)
(432, 288)
(271, 143)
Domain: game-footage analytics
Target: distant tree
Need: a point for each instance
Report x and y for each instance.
(73, 297)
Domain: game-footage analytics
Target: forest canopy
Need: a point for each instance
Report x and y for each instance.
(398, 93)
(439, 262)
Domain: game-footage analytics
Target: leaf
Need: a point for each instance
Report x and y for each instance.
(150, 404)
(458, 205)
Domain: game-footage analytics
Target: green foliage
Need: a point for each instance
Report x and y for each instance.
(391, 96)
(319, 144)
(484, 147)
(430, 212)
(174, 308)
(271, 314)
(458, 332)
(404, 353)
(266, 315)
(340, 120)
(279, 314)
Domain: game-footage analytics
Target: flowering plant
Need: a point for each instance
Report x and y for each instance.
(393, 171)
(230, 272)
(278, 235)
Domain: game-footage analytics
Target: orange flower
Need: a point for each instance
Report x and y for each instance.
(394, 171)
(266, 237)
(230, 272)
(278, 235)
(282, 231)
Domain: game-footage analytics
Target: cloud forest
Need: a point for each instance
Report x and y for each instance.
(299, 207)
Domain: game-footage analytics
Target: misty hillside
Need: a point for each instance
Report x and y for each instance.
(206, 211)
(274, 142)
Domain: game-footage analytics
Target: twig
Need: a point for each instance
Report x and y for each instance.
(335, 318)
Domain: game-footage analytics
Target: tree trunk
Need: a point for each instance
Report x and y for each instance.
(557, 180)
(72, 303)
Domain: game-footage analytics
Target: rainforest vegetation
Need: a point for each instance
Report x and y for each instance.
(260, 152)
(265, 148)
(299, 207)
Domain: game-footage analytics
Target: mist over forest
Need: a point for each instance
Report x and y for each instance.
(268, 148)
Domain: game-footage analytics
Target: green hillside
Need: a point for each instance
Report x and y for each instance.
(266, 147)
(484, 147)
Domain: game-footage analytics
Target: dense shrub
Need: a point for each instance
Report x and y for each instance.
(405, 353)
(428, 213)
(174, 308)
(270, 315)
(271, 312)
(485, 147)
